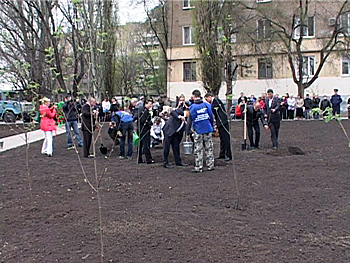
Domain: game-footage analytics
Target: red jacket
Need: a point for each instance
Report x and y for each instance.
(262, 104)
(47, 122)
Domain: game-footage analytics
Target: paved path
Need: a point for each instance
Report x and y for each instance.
(19, 140)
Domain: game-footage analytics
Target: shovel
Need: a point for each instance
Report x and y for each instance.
(245, 146)
(103, 149)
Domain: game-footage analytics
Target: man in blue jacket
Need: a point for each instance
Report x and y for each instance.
(201, 121)
(124, 120)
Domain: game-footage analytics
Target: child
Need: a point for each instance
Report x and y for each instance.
(157, 132)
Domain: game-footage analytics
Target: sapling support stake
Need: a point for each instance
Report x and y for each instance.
(26, 140)
(98, 201)
(97, 187)
(108, 158)
(27, 167)
(234, 170)
(86, 179)
(344, 131)
(233, 166)
(328, 116)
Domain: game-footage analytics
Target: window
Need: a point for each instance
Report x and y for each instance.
(345, 23)
(233, 37)
(308, 29)
(188, 35)
(265, 68)
(233, 68)
(346, 65)
(264, 29)
(190, 71)
(187, 4)
(308, 66)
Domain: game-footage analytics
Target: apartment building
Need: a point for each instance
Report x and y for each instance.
(263, 61)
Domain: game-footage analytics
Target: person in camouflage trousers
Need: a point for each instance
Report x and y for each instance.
(201, 141)
(200, 119)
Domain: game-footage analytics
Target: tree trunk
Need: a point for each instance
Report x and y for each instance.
(301, 89)
(228, 93)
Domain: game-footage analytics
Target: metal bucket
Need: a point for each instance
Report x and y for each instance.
(188, 148)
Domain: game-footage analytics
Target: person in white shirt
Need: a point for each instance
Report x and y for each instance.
(157, 131)
(106, 105)
(156, 107)
(291, 107)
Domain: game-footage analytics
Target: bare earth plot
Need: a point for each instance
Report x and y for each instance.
(293, 208)
(7, 130)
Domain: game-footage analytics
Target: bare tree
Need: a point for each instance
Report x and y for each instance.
(158, 25)
(283, 29)
(41, 56)
(109, 46)
(207, 16)
(77, 40)
(23, 41)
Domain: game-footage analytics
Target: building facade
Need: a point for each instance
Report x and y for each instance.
(262, 57)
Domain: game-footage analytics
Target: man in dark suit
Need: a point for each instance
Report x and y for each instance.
(254, 113)
(88, 125)
(221, 119)
(144, 119)
(273, 106)
(173, 133)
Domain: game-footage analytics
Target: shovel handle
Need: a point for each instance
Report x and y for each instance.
(245, 122)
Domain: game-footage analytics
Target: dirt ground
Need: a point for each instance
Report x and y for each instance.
(14, 129)
(293, 208)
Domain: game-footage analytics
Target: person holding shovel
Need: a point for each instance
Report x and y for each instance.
(201, 118)
(88, 120)
(273, 107)
(144, 124)
(221, 120)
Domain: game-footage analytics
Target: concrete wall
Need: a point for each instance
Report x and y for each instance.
(322, 86)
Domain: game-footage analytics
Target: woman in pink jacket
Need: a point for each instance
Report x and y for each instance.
(47, 124)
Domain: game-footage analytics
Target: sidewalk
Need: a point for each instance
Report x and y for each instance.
(19, 140)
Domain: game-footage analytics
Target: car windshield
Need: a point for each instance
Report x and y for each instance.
(10, 95)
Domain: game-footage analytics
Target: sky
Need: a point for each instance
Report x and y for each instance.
(131, 11)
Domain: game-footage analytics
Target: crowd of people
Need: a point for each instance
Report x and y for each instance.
(299, 108)
(152, 122)
(159, 124)
(196, 119)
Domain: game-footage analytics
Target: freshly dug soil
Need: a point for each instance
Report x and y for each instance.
(14, 129)
(292, 207)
